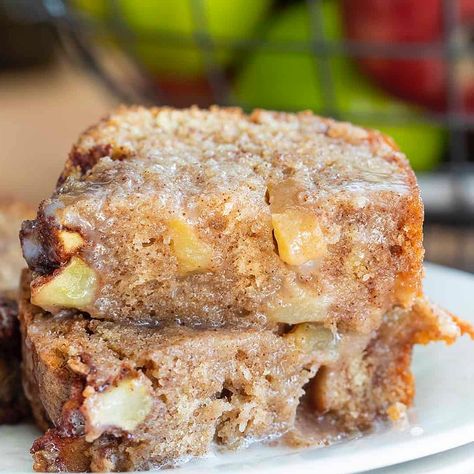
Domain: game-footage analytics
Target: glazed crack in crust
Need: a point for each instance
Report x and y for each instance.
(216, 218)
(177, 391)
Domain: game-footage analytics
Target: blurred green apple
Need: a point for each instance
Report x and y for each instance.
(165, 30)
(95, 9)
(292, 81)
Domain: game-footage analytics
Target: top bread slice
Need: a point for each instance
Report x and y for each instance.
(217, 218)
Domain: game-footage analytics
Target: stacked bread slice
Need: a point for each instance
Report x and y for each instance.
(200, 276)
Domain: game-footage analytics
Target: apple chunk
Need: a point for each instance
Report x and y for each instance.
(296, 304)
(310, 337)
(299, 309)
(298, 235)
(71, 286)
(71, 241)
(122, 406)
(192, 253)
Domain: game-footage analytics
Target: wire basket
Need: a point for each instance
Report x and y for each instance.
(115, 58)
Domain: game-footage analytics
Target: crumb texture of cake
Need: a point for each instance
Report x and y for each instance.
(370, 384)
(129, 397)
(215, 218)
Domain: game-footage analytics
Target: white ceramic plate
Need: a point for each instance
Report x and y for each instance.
(442, 419)
(455, 461)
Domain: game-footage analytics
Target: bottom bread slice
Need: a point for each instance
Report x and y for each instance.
(120, 398)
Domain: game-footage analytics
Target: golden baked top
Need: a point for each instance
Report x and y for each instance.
(264, 144)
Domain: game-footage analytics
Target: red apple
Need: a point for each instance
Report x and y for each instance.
(413, 22)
